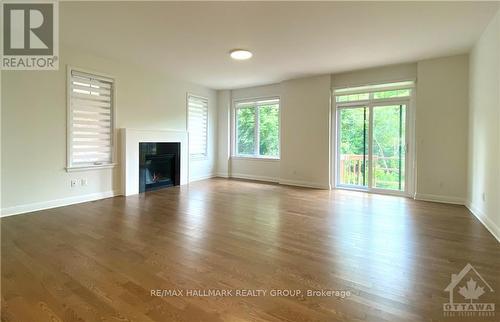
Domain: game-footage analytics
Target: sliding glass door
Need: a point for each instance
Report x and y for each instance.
(388, 147)
(353, 146)
(371, 146)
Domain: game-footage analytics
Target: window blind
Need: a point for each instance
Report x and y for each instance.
(91, 120)
(197, 125)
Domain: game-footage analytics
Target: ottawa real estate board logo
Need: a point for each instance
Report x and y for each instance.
(30, 35)
(469, 295)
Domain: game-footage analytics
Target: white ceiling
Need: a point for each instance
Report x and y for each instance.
(191, 40)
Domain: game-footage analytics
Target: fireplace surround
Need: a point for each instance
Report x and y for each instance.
(130, 139)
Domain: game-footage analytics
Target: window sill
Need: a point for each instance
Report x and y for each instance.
(91, 167)
(253, 158)
(198, 157)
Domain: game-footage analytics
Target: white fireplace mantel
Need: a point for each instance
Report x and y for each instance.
(130, 139)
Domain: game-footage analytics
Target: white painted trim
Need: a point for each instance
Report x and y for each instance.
(306, 184)
(377, 87)
(485, 220)
(374, 83)
(440, 198)
(17, 210)
(394, 193)
(411, 155)
(255, 158)
(94, 167)
(253, 177)
(234, 145)
(204, 177)
(198, 157)
(222, 175)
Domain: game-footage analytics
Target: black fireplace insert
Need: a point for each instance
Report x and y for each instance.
(159, 165)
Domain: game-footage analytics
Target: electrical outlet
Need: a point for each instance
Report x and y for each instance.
(83, 181)
(484, 196)
(74, 182)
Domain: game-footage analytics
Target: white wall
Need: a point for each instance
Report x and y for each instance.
(441, 129)
(224, 133)
(34, 128)
(267, 170)
(484, 124)
(441, 109)
(304, 134)
(441, 123)
(377, 75)
(305, 128)
(152, 100)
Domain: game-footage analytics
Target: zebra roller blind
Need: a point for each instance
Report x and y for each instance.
(90, 131)
(197, 125)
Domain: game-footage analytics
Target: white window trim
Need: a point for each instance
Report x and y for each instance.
(410, 102)
(255, 158)
(69, 149)
(372, 88)
(234, 144)
(91, 167)
(202, 156)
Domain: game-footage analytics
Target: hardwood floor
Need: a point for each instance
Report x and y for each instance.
(101, 261)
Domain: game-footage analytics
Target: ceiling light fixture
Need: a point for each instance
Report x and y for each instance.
(240, 54)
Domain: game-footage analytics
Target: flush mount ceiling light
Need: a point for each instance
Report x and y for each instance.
(240, 54)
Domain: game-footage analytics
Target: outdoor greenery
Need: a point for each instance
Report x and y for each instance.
(269, 131)
(245, 120)
(377, 95)
(387, 141)
(268, 127)
(352, 97)
(386, 146)
(392, 94)
(354, 145)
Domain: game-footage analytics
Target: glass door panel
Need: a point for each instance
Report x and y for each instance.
(388, 147)
(353, 146)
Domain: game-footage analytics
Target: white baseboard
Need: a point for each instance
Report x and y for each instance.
(222, 175)
(439, 198)
(253, 177)
(208, 176)
(305, 184)
(485, 220)
(17, 210)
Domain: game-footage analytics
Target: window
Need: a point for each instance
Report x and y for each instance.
(374, 92)
(90, 120)
(257, 129)
(353, 97)
(392, 94)
(197, 126)
(372, 137)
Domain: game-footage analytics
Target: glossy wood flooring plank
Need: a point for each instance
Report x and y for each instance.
(99, 261)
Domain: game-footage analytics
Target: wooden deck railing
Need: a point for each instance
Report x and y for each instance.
(351, 170)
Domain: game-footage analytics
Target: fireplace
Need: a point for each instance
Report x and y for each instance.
(159, 165)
